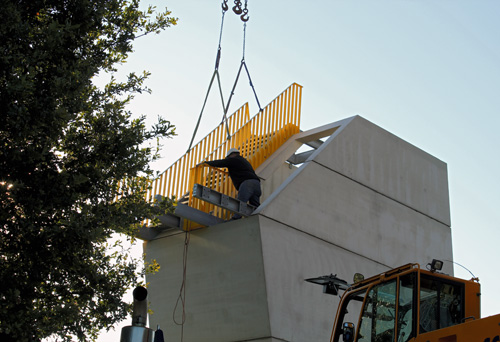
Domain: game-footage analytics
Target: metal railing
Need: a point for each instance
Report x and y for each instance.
(256, 138)
(174, 181)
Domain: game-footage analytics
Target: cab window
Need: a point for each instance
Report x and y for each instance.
(379, 317)
(441, 304)
(379, 314)
(406, 312)
(351, 310)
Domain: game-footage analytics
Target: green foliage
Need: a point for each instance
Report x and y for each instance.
(74, 164)
(150, 267)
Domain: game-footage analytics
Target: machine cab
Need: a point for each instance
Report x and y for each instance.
(403, 304)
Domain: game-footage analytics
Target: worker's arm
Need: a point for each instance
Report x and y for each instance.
(220, 163)
(214, 163)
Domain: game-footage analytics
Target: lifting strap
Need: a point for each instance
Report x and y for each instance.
(243, 13)
(243, 64)
(244, 17)
(215, 73)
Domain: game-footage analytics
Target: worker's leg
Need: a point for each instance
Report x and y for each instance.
(249, 191)
(255, 198)
(245, 191)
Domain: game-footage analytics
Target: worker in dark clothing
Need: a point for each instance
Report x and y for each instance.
(243, 176)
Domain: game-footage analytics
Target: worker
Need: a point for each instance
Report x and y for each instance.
(243, 176)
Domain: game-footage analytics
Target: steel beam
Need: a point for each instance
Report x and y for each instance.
(314, 143)
(196, 215)
(214, 197)
(149, 233)
(299, 158)
(167, 221)
(170, 221)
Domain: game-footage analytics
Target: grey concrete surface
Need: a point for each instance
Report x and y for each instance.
(364, 201)
(300, 311)
(380, 160)
(347, 214)
(225, 287)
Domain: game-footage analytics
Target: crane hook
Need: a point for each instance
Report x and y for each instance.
(237, 7)
(244, 17)
(224, 6)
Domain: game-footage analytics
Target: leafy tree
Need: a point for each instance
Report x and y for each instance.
(73, 164)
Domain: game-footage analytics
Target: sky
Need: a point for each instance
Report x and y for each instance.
(427, 71)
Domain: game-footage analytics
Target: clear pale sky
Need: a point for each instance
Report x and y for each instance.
(427, 71)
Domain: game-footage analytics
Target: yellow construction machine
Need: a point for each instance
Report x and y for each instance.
(410, 304)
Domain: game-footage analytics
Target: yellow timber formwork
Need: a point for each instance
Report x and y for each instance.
(257, 138)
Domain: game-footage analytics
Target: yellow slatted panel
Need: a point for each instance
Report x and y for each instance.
(176, 177)
(257, 139)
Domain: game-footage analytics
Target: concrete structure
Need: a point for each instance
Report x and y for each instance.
(362, 201)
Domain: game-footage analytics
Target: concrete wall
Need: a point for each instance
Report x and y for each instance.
(383, 199)
(280, 174)
(389, 165)
(225, 287)
(298, 310)
(345, 213)
(365, 201)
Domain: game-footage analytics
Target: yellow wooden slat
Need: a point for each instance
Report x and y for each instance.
(257, 138)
